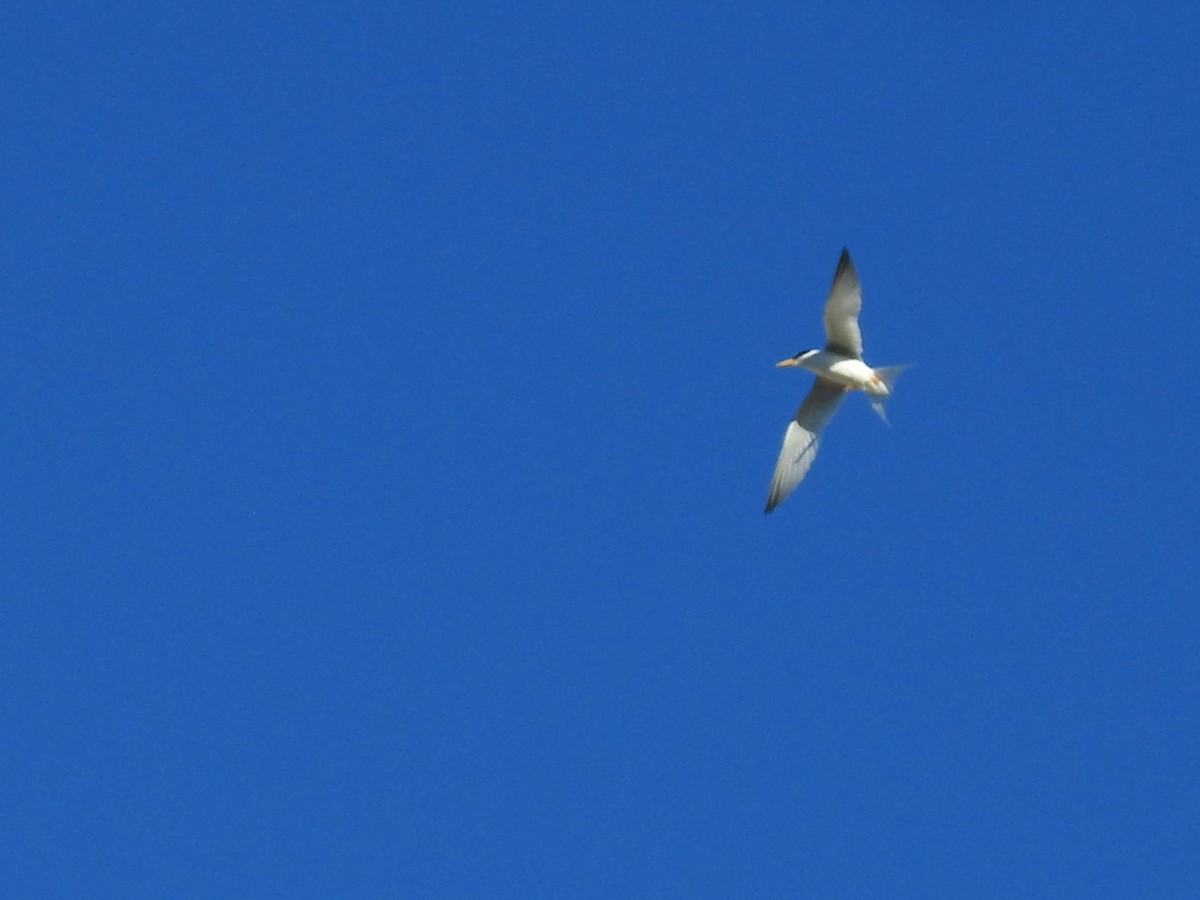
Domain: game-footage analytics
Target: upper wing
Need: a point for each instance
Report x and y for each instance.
(802, 438)
(842, 308)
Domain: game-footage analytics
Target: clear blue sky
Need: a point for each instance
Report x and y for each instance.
(390, 407)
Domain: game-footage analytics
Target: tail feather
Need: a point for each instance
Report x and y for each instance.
(888, 375)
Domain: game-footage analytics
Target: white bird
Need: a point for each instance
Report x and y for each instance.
(840, 368)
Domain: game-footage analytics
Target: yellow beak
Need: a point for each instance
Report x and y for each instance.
(786, 362)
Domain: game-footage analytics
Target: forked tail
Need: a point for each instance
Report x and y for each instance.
(888, 375)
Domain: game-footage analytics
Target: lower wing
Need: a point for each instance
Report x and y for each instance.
(802, 438)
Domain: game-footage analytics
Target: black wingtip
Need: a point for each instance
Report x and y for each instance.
(844, 263)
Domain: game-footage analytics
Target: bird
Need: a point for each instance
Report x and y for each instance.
(840, 369)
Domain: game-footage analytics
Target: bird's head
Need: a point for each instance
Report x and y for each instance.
(797, 359)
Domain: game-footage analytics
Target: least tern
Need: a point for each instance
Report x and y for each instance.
(840, 368)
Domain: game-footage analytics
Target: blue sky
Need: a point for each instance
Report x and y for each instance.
(390, 409)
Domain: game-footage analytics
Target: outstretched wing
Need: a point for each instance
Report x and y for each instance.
(842, 308)
(802, 438)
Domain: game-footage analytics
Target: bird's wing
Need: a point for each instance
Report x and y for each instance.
(842, 308)
(802, 437)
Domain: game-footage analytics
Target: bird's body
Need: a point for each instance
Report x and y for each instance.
(845, 370)
(840, 368)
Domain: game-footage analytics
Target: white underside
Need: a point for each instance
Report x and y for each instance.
(853, 373)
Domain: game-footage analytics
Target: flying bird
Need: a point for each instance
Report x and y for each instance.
(840, 368)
